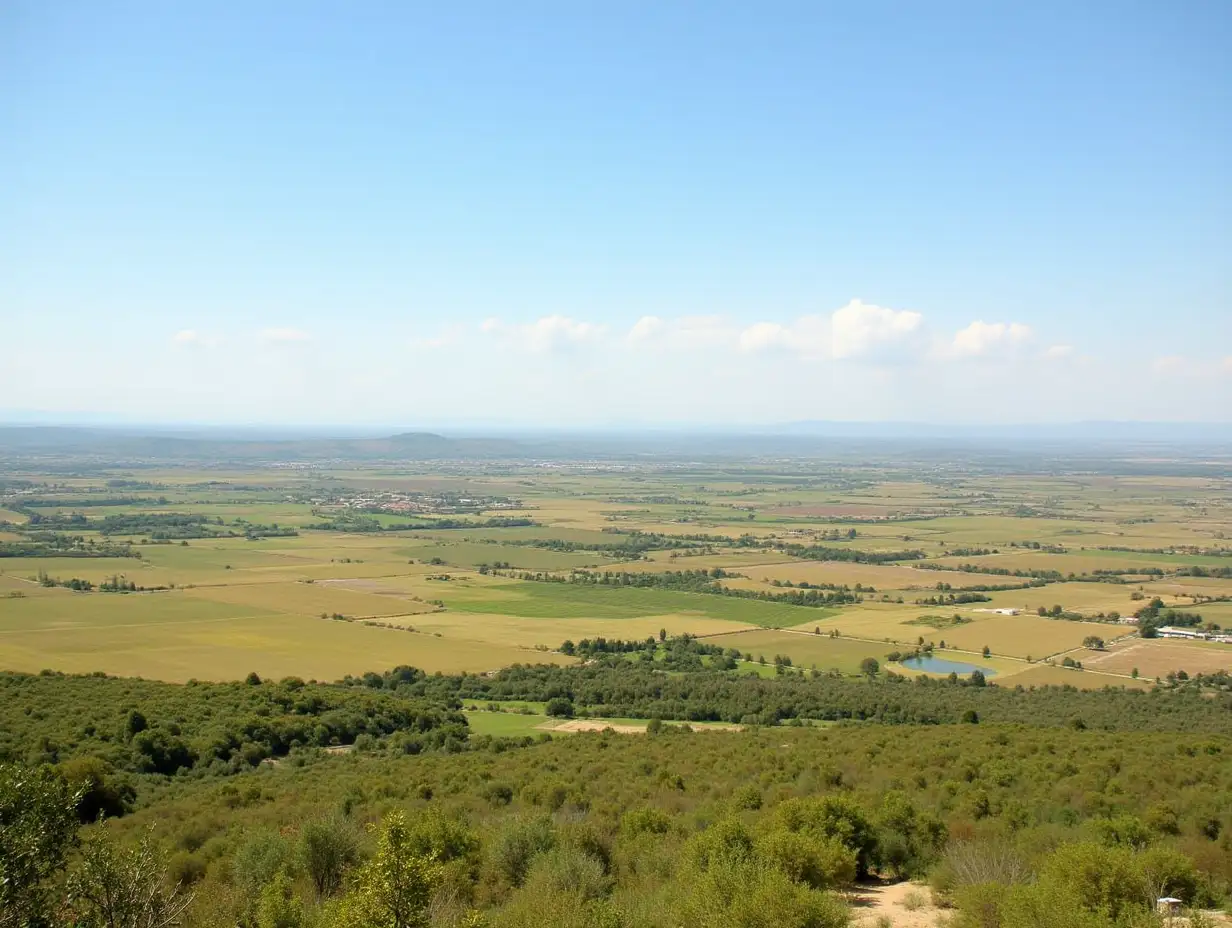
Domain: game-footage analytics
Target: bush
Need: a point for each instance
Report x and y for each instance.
(517, 845)
(728, 840)
(185, 868)
(746, 894)
(277, 906)
(822, 863)
(260, 857)
(565, 869)
(833, 816)
(648, 820)
(747, 797)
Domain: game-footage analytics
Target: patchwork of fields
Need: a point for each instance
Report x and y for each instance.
(267, 577)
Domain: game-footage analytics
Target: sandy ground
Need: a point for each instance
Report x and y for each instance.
(600, 725)
(870, 902)
(591, 725)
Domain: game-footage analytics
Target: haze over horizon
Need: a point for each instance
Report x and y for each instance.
(556, 216)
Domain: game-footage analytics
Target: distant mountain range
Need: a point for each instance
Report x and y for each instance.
(902, 441)
(128, 444)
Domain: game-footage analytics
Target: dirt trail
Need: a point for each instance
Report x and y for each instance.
(897, 902)
(873, 901)
(601, 725)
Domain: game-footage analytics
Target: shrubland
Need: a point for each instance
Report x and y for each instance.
(401, 818)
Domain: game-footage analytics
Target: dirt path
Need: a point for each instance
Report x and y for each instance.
(601, 725)
(896, 902)
(909, 905)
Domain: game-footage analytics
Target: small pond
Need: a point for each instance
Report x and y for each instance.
(940, 665)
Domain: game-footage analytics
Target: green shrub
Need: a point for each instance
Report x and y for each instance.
(743, 893)
(726, 840)
(516, 846)
(819, 862)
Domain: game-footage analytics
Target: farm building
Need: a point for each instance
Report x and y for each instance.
(1169, 631)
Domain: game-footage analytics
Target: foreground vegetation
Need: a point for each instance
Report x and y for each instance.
(369, 802)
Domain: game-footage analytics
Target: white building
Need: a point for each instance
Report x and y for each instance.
(1168, 631)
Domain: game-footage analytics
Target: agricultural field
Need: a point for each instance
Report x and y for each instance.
(1160, 657)
(821, 651)
(1086, 679)
(469, 566)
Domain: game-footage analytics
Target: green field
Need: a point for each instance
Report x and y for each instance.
(526, 557)
(805, 651)
(567, 600)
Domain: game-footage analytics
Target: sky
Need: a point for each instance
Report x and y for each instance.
(561, 213)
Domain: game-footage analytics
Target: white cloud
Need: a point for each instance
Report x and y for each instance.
(981, 338)
(858, 328)
(1058, 352)
(683, 333)
(191, 338)
(646, 328)
(448, 335)
(809, 336)
(548, 333)
(283, 335)
(763, 335)
(1180, 366)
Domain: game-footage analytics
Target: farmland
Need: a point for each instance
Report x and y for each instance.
(341, 569)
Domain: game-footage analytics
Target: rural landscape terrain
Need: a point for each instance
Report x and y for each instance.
(595, 673)
(615, 465)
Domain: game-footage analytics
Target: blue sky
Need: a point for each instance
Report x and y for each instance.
(558, 213)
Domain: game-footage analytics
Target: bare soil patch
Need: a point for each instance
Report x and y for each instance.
(1158, 657)
(894, 901)
(592, 725)
(623, 728)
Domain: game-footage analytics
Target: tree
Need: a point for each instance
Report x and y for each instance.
(117, 887)
(987, 651)
(38, 827)
(326, 849)
(560, 708)
(869, 667)
(97, 794)
(394, 888)
(1093, 642)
